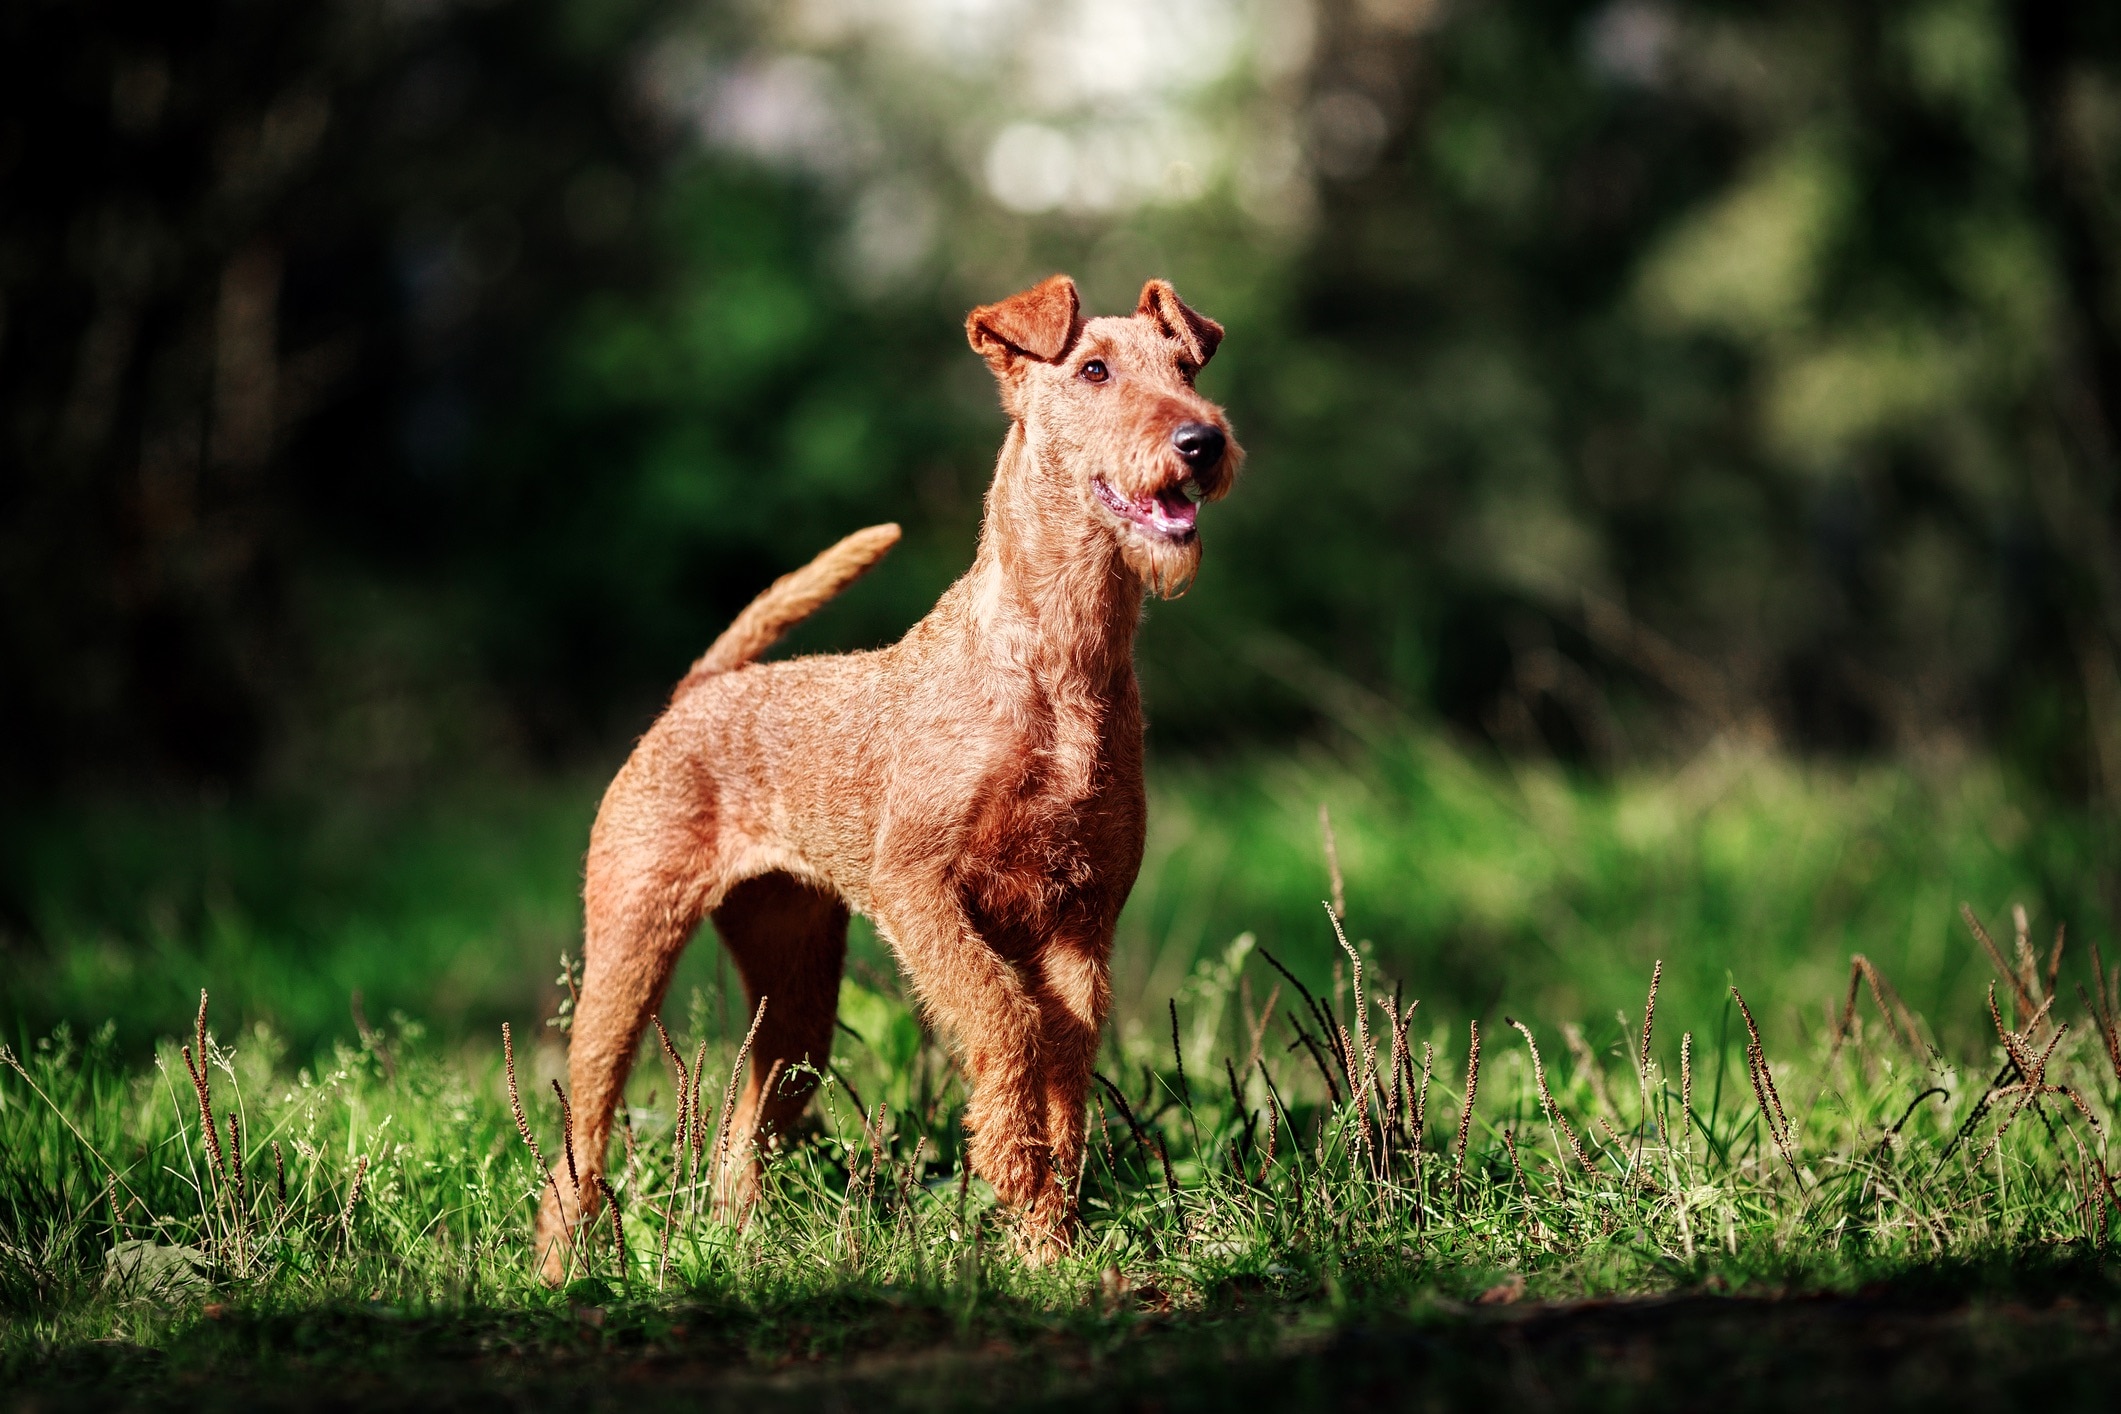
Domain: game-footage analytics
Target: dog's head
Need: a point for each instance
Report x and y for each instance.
(1109, 411)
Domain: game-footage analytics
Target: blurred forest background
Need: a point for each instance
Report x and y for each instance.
(396, 394)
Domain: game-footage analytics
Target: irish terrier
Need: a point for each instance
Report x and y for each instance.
(975, 789)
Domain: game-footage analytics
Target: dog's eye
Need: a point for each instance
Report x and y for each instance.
(1094, 371)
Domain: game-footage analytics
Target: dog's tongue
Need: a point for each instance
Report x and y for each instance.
(1172, 511)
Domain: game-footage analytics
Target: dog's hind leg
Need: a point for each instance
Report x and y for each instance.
(789, 941)
(645, 889)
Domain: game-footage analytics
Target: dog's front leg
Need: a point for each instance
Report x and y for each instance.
(1075, 993)
(984, 1004)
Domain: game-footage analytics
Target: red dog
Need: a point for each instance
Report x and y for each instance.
(975, 789)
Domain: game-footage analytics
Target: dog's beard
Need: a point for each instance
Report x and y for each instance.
(1165, 569)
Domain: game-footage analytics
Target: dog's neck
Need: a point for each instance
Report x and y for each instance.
(1049, 591)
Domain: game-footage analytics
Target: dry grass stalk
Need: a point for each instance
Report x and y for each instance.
(574, 1181)
(1241, 1150)
(238, 1180)
(515, 1106)
(681, 1121)
(353, 1196)
(1465, 1116)
(1359, 1047)
(2099, 1196)
(1319, 1017)
(1767, 1077)
(874, 1133)
(1899, 1019)
(1686, 1085)
(736, 1069)
(680, 1141)
(200, 1083)
(206, 1118)
(1275, 1119)
(1778, 1121)
(2032, 1070)
(618, 1228)
(1649, 1018)
(1178, 1057)
(2026, 1004)
(698, 1147)
(1421, 1097)
(913, 1170)
(861, 1184)
(1395, 1104)
(1642, 1053)
(2011, 1045)
(1546, 1097)
(861, 1179)
(1376, 1089)
(1358, 1098)
(238, 1189)
(1141, 1138)
(1362, 1021)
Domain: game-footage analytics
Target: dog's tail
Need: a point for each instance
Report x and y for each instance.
(791, 599)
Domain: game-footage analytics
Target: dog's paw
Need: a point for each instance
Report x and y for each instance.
(1044, 1233)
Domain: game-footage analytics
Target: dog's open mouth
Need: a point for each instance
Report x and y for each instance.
(1168, 514)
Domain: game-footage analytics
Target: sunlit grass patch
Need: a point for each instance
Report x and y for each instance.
(1301, 1151)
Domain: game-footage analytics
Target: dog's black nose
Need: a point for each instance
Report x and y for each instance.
(1200, 444)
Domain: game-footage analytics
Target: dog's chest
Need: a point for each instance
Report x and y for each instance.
(1067, 814)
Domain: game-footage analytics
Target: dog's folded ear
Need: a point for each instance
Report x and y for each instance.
(1196, 333)
(1037, 323)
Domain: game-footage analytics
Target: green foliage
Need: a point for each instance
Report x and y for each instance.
(1616, 376)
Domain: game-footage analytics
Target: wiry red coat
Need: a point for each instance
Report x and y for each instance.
(975, 789)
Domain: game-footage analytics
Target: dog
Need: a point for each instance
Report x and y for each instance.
(974, 789)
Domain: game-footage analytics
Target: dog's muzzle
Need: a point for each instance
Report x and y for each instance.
(1199, 445)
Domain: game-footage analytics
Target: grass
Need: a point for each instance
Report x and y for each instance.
(1881, 1138)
